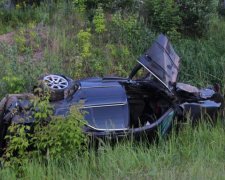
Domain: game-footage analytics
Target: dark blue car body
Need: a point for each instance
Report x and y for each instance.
(135, 106)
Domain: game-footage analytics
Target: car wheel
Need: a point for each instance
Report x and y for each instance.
(55, 84)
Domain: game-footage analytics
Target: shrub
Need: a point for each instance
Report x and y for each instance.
(110, 5)
(12, 83)
(172, 16)
(26, 39)
(13, 3)
(162, 15)
(16, 154)
(61, 137)
(195, 16)
(131, 31)
(84, 40)
(18, 73)
(53, 139)
(99, 20)
(21, 15)
(79, 5)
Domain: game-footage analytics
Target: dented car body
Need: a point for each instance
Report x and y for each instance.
(116, 107)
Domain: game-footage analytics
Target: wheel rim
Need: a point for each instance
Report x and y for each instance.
(55, 82)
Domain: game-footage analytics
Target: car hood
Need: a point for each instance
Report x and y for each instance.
(161, 61)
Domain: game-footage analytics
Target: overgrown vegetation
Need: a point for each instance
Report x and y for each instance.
(192, 154)
(48, 137)
(83, 38)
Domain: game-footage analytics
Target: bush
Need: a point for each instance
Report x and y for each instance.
(16, 154)
(12, 3)
(61, 137)
(172, 16)
(99, 21)
(195, 16)
(79, 5)
(26, 39)
(131, 31)
(22, 15)
(49, 137)
(110, 5)
(13, 84)
(17, 74)
(162, 15)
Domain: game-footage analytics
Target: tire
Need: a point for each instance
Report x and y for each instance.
(55, 85)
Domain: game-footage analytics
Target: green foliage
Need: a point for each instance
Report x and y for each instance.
(131, 31)
(17, 73)
(27, 39)
(203, 60)
(80, 48)
(120, 56)
(16, 153)
(53, 137)
(43, 110)
(20, 40)
(108, 43)
(192, 153)
(99, 20)
(12, 83)
(79, 5)
(84, 38)
(111, 5)
(11, 19)
(195, 16)
(19, 138)
(217, 25)
(61, 137)
(162, 15)
(174, 16)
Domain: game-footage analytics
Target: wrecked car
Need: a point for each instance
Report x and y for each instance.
(145, 103)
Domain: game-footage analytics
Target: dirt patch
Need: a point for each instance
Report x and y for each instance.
(7, 38)
(38, 52)
(38, 55)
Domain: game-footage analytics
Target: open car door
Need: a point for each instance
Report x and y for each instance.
(161, 61)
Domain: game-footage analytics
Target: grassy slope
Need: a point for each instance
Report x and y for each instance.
(194, 154)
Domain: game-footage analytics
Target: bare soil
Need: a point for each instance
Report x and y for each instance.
(7, 38)
(38, 53)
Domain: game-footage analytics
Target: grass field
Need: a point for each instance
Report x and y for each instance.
(191, 154)
(66, 42)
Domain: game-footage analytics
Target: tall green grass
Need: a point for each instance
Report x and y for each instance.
(113, 52)
(193, 153)
(203, 60)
